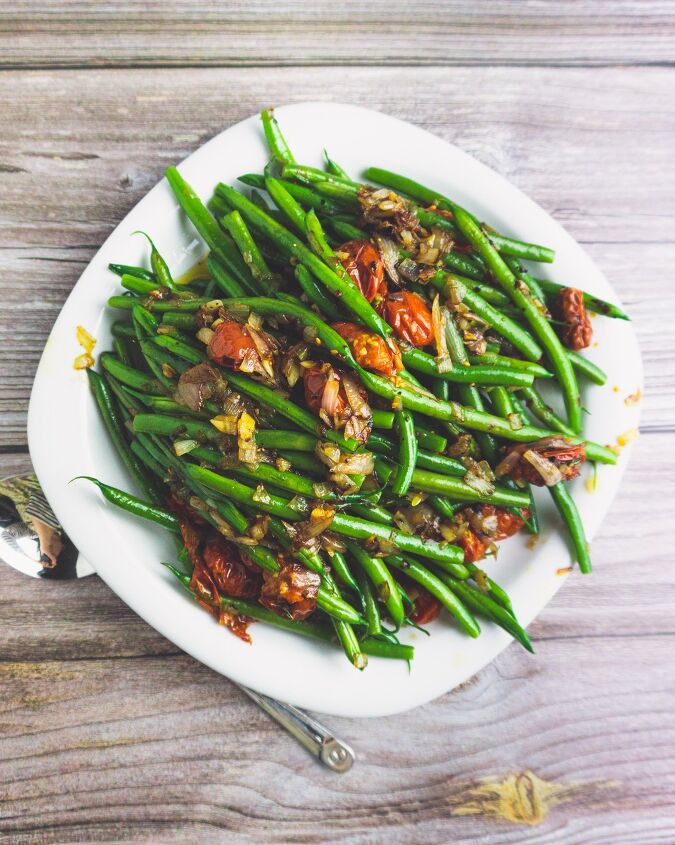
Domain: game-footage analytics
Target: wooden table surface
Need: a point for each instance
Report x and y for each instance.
(107, 732)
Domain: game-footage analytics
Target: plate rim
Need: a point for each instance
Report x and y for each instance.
(39, 453)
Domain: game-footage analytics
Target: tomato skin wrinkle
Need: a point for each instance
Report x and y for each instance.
(230, 343)
(364, 266)
(409, 316)
(370, 350)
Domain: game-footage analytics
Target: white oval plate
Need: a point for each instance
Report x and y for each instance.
(67, 437)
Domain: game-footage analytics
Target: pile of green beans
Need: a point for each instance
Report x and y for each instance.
(275, 264)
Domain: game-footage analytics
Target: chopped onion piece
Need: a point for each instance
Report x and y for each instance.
(547, 469)
(182, 447)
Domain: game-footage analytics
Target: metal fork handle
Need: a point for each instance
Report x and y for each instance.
(317, 739)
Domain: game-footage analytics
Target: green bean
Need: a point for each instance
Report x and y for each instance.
(505, 245)
(313, 176)
(343, 230)
(134, 284)
(350, 296)
(179, 319)
(570, 515)
(134, 505)
(544, 412)
(159, 266)
(407, 453)
(275, 139)
(371, 610)
(350, 644)
(288, 205)
(444, 507)
(439, 589)
(293, 441)
(458, 490)
(382, 581)
(419, 361)
(148, 460)
(334, 168)
(130, 375)
(379, 648)
(460, 263)
(525, 301)
(253, 258)
(587, 368)
(164, 358)
(500, 322)
(122, 349)
(498, 593)
(225, 280)
(502, 361)
(315, 293)
(340, 567)
(485, 605)
(430, 440)
(158, 305)
(220, 244)
(374, 512)
(112, 422)
(128, 269)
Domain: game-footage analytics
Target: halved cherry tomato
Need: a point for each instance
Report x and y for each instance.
(474, 547)
(506, 523)
(363, 263)
(230, 343)
(410, 318)
(370, 350)
(227, 570)
(427, 607)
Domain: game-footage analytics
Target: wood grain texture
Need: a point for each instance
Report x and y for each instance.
(108, 733)
(182, 32)
(600, 162)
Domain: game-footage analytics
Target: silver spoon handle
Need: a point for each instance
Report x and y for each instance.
(317, 739)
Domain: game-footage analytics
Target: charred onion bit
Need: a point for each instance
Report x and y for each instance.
(370, 350)
(410, 318)
(544, 462)
(577, 332)
(292, 591)
(197, 385)
(243, 348)
(493, 522)
(339, 400)
(363, 264)
(387, 212)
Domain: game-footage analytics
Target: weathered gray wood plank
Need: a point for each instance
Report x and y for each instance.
(163, 750)
(73, 162)
(71, 34)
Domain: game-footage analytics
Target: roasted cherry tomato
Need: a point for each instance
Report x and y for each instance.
(364, 265)
(230, 344)
(370, 350)
(577, 332)
(474, 547)
(227, 570)
(496, 523)
(410, 318)
(316, 379)
(427, 607)
(291, 592)
(568, 457)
